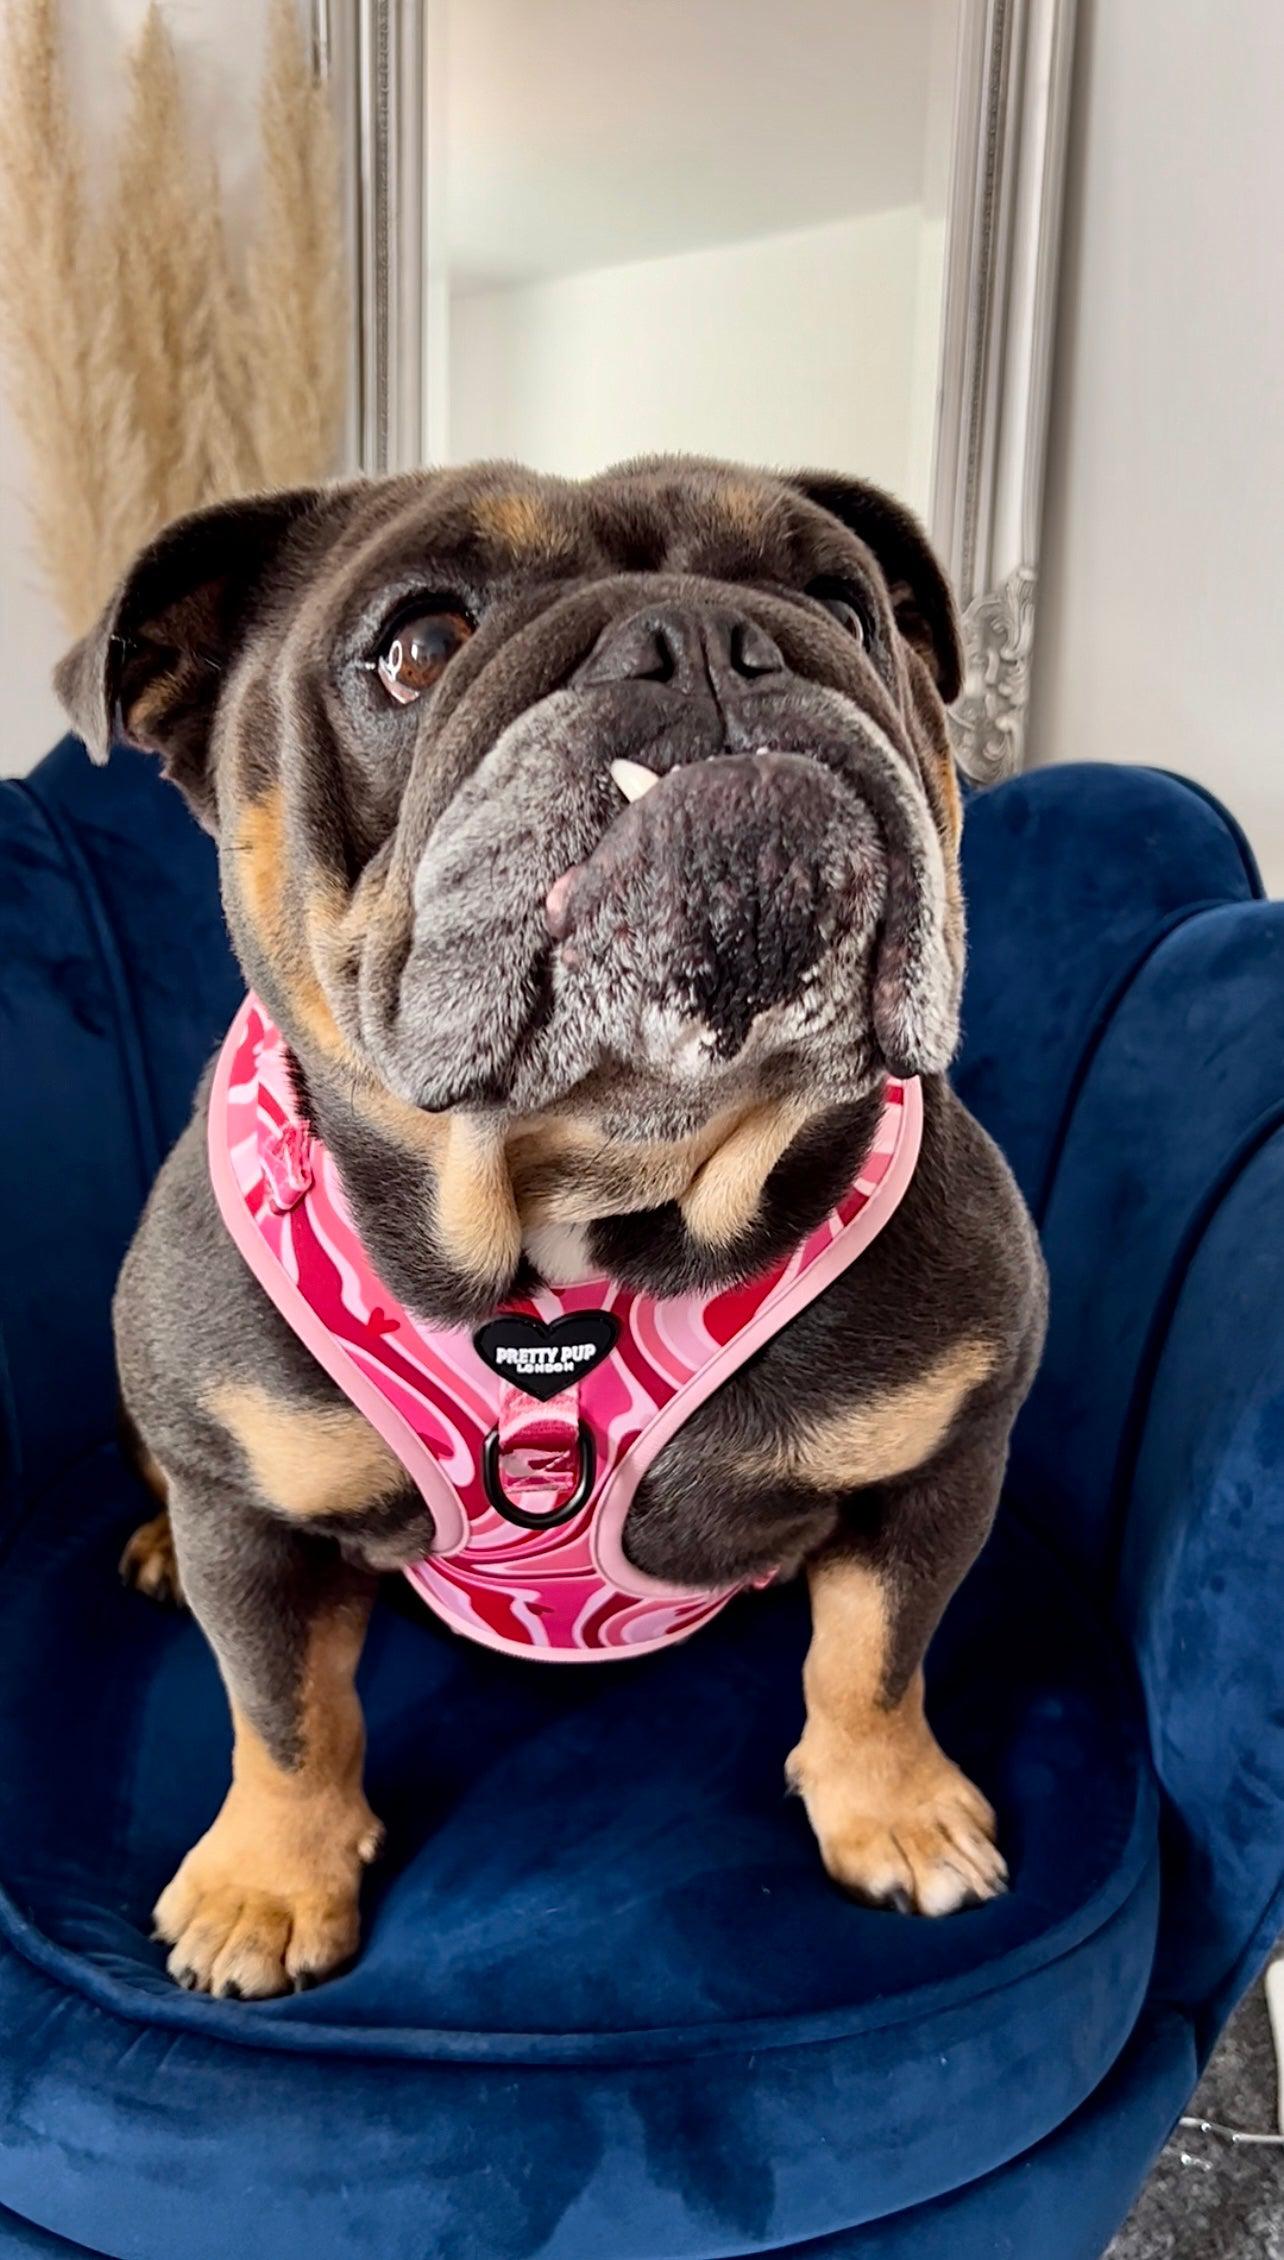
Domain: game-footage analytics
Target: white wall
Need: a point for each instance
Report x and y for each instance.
(791, 348)
(220, 45)
(1161, 624)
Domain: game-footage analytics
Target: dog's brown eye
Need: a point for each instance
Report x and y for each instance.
(417, 653)
(844, 607)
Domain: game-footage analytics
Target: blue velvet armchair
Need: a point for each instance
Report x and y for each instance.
(608, 2005)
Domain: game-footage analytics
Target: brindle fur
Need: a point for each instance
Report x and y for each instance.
(225, 651)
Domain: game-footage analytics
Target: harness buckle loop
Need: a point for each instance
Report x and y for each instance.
(553, 1516)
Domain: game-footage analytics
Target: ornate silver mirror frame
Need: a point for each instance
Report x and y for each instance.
(1003, 240)
(1002, 246)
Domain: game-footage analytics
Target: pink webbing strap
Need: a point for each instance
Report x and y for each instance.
(539, 1461)
(287, 1166)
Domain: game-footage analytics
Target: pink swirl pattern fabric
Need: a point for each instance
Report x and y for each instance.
(565, 1593)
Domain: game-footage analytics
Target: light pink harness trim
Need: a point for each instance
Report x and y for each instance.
(563, 1593)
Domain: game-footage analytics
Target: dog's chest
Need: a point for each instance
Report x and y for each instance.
(560, 1253)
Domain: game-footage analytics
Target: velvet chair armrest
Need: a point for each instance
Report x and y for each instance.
(1201, 1579)
(1124, 1041)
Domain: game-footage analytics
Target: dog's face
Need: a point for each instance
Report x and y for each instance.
(634, 794)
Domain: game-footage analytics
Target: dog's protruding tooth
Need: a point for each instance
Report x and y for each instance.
(633, 778)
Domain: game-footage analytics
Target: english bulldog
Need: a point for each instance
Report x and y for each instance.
(592, 851)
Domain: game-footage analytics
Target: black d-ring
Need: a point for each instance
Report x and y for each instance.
(503, 1505)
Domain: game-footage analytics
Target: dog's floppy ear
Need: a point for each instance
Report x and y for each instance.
(919, 963)
(151, 668)
(921, 595)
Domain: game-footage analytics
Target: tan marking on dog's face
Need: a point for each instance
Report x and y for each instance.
(403, 1122)
(888, 1435)
(260, 868)
(548, 1156)
(565, 1171)
(742, 507)
(326, 916)
(477, 1221)
(896, 1821)
(306, 1460)
(261, 874)
(268, 1899)
(311, 1005)
(724, 1197)
(152, 706)
(524, 523)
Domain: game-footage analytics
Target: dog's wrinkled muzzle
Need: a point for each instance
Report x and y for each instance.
(671, 912)
(713, 897)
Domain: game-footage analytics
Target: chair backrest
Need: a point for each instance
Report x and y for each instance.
(115, 980)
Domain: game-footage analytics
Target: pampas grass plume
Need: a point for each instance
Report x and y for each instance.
(147, 377)
(295, 283)
(46, 316)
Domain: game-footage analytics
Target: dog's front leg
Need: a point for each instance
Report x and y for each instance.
(267, 1900)
(898, 1824)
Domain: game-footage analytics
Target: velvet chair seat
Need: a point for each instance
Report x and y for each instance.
(607, 2002)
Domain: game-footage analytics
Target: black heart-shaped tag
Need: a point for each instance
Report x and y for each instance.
(541, 1359)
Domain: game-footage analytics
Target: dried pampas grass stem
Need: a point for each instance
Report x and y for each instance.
(148, 378)
(46, 303)
(295, 265)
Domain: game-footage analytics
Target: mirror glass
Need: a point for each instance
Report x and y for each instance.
(667, 224)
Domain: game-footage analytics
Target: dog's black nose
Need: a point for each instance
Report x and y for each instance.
(692, 648)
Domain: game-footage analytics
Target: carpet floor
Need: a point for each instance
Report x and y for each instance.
(1208, 2199)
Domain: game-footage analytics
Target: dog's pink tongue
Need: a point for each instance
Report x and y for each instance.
(557, 903)
(623, 835)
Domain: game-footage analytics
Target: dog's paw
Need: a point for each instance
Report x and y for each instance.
(150, 1564)
(918, 1838)
(250, 1916)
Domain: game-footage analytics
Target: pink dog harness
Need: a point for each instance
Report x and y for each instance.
(527, 1439)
